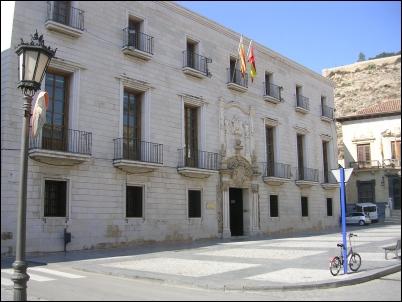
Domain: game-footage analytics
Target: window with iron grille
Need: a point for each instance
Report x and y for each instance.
(194, 203)
(134, 199)
(273, 206)
(329, 206)
(304, 206)
(55, 198)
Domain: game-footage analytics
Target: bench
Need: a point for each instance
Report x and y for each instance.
(392, 248)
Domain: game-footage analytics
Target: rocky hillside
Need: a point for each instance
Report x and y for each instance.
(363, 84)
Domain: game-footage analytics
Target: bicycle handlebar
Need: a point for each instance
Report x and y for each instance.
(352, 235)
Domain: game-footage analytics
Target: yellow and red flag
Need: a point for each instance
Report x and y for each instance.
(242, 55)
(251, 60)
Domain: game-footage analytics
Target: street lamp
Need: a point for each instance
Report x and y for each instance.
(34, 58)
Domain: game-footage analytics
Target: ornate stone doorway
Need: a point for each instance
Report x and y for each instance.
(239, 210)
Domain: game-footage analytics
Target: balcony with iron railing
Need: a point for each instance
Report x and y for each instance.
(370, 164)
(328, 180)
(135, 156)
(272, 93)
(60, 146)
(302, 104)
(391, 163)
(306, 177)
(198, 163)
(327, 113)
(69, 20)
(236, 81)
(137, 44)
(195, 64)
(276, 173)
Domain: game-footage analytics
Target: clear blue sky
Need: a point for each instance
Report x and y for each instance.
(315, 34)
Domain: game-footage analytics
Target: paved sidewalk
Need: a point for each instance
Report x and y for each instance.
(297, 262)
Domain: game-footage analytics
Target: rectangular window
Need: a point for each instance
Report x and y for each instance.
(273, 206)
(329, 206)
(300, 156)
(270, 151)
(134, 200)
(304, 206)
(55, 198)
(194, 203)
(396, 150)
(364, 155)
(191, 136)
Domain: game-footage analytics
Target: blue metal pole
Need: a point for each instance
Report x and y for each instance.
(343, 208)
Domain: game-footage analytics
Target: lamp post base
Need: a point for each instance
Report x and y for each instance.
(20, 279)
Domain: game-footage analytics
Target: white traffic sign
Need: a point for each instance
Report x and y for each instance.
(337, 174)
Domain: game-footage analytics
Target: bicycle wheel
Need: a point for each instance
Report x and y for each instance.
(355, 261)
(335, 266)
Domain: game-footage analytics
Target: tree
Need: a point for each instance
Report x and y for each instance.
(362, 57)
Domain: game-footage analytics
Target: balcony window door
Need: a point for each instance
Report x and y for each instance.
(134, 33)
(300, 156)
(55, 131)
(268, 82)
(62, 11)
(191, 57)
(191, 136)
(270, 151)
(364, 156)
(325, 158)
(132, 125)
(396, 150)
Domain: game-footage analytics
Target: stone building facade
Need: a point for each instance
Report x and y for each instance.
(152, 134)
(372, 144)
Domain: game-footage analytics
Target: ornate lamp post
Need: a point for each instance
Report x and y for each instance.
(34, 58)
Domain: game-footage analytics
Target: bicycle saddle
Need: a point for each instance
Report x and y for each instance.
(340, 245)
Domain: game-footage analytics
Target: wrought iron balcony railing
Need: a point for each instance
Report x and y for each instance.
(302, 102)
(196, 61)
(328, 178)
(137, 150)
(327, 111)
(69, 16)
(58, 138)
(198, 159)
(391, 163)
(138, 40)
(277, 170)
(235, 76)
(365, 164)
(272, 90)
(307, 174)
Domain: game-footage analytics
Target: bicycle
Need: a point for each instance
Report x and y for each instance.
(337, 262)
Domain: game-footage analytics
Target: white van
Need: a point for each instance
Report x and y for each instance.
(369, 208)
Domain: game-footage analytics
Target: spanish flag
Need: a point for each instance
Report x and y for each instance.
(242, 55)
(251, 60)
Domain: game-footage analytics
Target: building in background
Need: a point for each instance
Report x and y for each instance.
(372, 147)
(152, 134)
